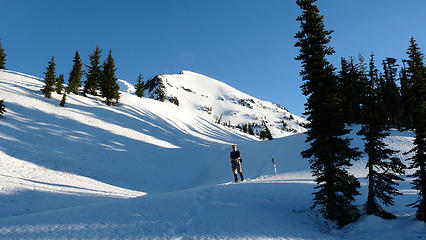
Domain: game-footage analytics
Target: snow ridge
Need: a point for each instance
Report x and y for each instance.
(222, 103)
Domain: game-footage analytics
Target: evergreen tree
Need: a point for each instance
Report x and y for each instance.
(74, 81)
(93, 74)
(383, 170)
(250, 129)
(329, 154)
(59, 83)
(416, 72)
(352, 84)
(2, 108)
(390, 92)
(64, 99)
(140, 88)
(2, 57)
(109, 86)
(49, 79)
(406, 99)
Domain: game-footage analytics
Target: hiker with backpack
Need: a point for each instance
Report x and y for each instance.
(236, 163)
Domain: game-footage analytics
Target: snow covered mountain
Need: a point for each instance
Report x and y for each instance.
(223, 104)
(147, 169)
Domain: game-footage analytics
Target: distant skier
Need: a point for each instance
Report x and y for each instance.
(236, 163)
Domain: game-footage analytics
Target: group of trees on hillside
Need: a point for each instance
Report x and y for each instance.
(362, 95)
(99, 78)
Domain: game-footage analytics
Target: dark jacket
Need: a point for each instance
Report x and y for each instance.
(234, 155)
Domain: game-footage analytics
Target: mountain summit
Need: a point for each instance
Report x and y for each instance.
(223, 104)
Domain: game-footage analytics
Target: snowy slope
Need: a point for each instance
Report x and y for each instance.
(215, 100)
(149, 169)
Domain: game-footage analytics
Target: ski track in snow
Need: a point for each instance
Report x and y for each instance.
(151, 170)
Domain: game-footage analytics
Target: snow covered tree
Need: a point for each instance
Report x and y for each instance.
(383, 169)
(2, 57)
(94, 73)
(109, 86)
(64, 99)
(416, 73)
(140, 88)
(329, 154)
(74, 81)
(49, 79)
(2, 108)
(59, 83)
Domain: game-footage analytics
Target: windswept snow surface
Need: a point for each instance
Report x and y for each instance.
(151, 170)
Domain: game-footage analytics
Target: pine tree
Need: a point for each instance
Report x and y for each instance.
(64, 99)
(352, 84)
(59, 83)
(2, 108)
(406, 97)
(250, 129)
(416, 73)
(383, 170)
(93, 74)
(2, 57)
(140, 88)
(49, 79)
(390, 91)
(329, 154)
(74, 81)
(109, 86)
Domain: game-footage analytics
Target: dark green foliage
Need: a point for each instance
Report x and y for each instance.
(49, 79)
(74, 81)
(390, 92)
(406, 99)
(265, 133)
(245, 128)
(383, 170)
(329, 153)
(59, 83)
(64, 99)
(109, 86)
(250, 129)
(174, 100)
(94, 73)
(2, 108)
(2, 57)
(140, 87)
(351, 83)
(416, 73)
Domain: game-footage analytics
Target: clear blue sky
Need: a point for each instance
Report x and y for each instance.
(244, 43)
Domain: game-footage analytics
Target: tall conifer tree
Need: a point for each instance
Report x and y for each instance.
(59, 83)
(2, 57)
(406, 98)
(109, 86)
(49, 79)
(329, 154)
(416, 72)
(93, 74)
(140, 88)
(383, 169)
(390, 91)
(74, 81)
